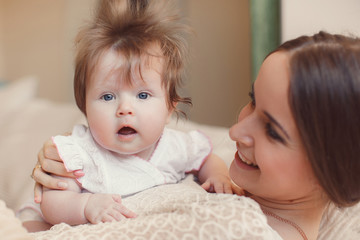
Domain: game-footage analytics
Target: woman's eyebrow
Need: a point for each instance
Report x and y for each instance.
(272, 119)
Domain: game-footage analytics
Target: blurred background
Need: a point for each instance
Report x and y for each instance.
(36, 38)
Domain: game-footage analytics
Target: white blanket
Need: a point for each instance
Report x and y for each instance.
(177, 211)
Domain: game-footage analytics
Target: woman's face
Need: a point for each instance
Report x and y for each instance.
(270, 161)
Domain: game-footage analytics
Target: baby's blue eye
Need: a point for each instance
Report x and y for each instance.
(107, 97)
(143, 95)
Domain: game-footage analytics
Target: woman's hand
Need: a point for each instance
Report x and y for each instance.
(49, 162)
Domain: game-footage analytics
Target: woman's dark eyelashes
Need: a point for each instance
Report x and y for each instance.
(252, 98)
(271, 132)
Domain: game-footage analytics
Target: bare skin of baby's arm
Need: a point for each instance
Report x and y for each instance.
(214, 177)
(74, 207)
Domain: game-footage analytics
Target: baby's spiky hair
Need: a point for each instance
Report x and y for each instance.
(129, 27)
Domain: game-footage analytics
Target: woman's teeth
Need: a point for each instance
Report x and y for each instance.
(246, 162)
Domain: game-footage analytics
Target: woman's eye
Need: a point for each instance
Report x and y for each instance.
(271, 132)
(107, 97)
(143, 95)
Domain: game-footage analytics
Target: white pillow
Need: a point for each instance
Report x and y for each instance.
(15, 95)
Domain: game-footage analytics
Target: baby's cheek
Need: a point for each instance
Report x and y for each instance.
(102, 135)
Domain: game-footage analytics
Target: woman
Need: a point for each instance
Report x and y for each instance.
(298, 140)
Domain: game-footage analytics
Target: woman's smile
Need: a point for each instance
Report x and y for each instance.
(243, 163)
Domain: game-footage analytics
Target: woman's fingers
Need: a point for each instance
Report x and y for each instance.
(49, 164)
(49, 151)
(46, 180)
(50, 161)
(56, 168)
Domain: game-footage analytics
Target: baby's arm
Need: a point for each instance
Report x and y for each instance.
(73, 207)
(65, 206)
(214, 176)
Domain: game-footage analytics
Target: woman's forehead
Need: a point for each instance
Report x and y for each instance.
(272, 90)
(274, 74)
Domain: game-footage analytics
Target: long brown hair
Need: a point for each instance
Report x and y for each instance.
(128, 27)
(324, 96)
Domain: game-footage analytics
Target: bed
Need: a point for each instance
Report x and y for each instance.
(176, 211)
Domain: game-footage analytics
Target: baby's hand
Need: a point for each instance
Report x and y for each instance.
(221, 184)
(106, 208)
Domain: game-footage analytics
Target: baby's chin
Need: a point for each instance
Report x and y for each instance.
(141, 152)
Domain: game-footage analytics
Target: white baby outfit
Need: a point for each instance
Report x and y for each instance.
(106, 172)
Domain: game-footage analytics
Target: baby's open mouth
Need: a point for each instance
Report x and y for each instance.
(126, 131)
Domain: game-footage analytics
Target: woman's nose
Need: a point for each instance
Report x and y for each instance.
(240, 134)
(242, 131)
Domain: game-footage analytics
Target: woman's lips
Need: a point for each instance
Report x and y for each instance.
(244, 163)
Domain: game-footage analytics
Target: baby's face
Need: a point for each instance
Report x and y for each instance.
(127, 118)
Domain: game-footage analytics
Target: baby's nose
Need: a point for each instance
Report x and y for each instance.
(125, 108)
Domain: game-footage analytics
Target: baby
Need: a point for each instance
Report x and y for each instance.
(129, 67)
